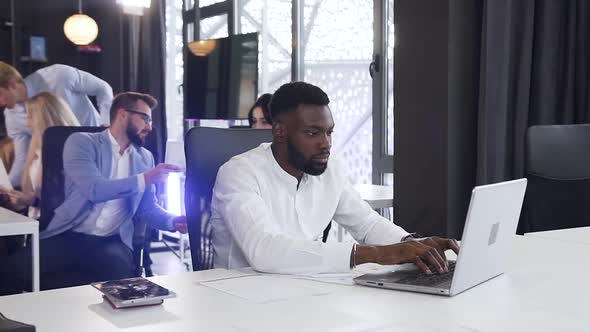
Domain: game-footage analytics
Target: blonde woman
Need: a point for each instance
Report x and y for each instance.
(43, 111)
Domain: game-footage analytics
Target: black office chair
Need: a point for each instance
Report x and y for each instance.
(206, 149)
(52, 188)
(558, 172)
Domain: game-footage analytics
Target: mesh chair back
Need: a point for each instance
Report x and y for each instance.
(558, 172)
(206, 150)
(52, 190)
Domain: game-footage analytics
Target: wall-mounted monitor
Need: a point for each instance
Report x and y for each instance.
(220, 77)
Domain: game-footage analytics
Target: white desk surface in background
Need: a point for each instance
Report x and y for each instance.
(574, 235)
(545, 290)
(378, 197)
(12, 223)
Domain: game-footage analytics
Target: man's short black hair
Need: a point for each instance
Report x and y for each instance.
(128, 100)
(289, 96)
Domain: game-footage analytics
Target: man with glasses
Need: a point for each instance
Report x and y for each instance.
(109, 180)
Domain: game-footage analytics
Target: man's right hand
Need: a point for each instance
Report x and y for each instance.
(160, 173)
(420, 253)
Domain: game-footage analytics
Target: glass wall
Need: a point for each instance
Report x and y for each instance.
(272, 20)
(337, 42)
(214, 27)
(390, 44)
(174, 69)
(336, 47)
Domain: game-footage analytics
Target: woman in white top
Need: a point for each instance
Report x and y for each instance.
(44, 110)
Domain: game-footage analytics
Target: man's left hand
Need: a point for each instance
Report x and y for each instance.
(441, 244)
(180, 225)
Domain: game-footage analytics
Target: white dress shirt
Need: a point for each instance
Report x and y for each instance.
(263, 219)
(74, 86)
(114, 212)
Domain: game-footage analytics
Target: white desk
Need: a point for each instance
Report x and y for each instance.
(378, 197)
(545, 290)
(12, 223)
(575, 235)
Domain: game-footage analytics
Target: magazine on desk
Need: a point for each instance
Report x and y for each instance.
(133, 292)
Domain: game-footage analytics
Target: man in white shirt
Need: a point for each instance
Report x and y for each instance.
(272, 203)
(72, 84)
(109, 180)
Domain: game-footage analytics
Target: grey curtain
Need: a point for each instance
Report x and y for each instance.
(535, 69)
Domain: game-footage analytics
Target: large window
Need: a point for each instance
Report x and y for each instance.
(272, 20)
(390, 44)
(174, 69)
(336, 50)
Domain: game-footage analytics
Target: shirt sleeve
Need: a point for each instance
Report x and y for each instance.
(91, 85)
(267, 249)
(363, 223)
(141, 182)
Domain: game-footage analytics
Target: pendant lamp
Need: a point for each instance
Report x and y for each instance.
(80, 29)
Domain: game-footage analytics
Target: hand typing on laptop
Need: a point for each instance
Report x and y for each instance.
(422, 252)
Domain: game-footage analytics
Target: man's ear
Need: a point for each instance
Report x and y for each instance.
(279, 132)
(121, 113)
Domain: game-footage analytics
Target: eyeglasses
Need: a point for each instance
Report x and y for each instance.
(145, 117)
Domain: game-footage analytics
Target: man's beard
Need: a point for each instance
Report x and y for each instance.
(308, 166)
(133, 135)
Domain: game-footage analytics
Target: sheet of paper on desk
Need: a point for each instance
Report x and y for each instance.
(265, 288)
(346, 278)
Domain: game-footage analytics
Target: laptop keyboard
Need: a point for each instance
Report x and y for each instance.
(423, 279)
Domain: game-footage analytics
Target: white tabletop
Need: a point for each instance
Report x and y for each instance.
(12, 223)
(545, 290)
(576, 235)
(378, 197)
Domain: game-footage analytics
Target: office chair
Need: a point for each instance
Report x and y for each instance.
(53, 195)
(558, 172)
(206, 149)
(52, 188)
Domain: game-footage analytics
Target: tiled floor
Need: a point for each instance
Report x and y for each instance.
(165, 262)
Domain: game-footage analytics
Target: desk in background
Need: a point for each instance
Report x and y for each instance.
(12, 223)
(544, 290)
(378, 197)
(574, 235)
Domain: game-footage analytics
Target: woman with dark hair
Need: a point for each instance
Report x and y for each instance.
(259, 114)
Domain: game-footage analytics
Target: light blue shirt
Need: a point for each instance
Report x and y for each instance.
(74, 86)
(113, 213)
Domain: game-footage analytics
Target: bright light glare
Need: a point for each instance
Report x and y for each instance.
(174, 194)
(135, 3)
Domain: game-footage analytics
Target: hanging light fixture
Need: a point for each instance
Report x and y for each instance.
(202, 47)
(80, 29)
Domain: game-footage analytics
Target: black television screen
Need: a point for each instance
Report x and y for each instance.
(220, 77)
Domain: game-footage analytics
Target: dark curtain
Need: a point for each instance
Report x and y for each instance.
(145, 59)
(535, 69)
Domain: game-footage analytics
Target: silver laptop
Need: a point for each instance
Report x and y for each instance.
(486, 243)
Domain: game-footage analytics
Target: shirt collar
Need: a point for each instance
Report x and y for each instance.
(115, 145)
(281, 173)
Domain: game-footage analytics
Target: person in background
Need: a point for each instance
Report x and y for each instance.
(271, 203)
(43, 111)
(109, 188)
(7, 152)
(259, 114)
(69, 83)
